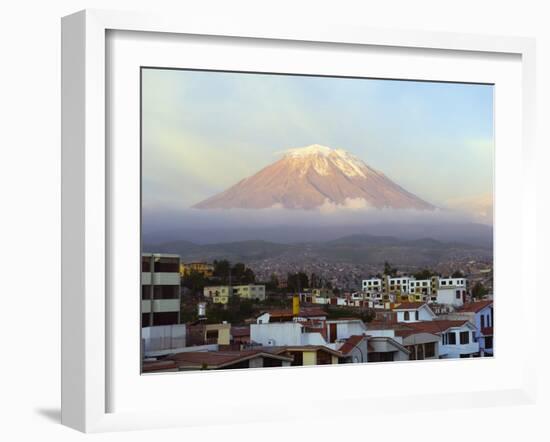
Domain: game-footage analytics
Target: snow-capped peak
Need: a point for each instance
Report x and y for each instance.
(313, 149)
(320, 156)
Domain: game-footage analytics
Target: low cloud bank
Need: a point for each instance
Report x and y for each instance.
(284, 225)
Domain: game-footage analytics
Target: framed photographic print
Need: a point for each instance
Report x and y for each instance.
(252, 213)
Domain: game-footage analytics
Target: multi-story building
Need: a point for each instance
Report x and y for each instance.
(160, 289)
(205, 269)
(480, 313)
(250, 291)
(218, 294)
(449, 291)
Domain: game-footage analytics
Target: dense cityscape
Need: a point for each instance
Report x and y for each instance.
(222, 315)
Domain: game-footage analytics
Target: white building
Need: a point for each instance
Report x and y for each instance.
(160, 289)
(276, 334)
(450, 296)
(449, 291)
(414, 312)
(456, 338)
(341, 329)
(372, 284)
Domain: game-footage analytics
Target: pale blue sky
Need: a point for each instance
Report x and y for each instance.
(204, 131)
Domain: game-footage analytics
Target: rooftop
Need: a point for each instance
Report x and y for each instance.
(436, 326)
(352, 342)
(475, 307)
(409, 305)
(220, 359)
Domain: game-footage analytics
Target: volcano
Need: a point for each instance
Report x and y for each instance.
(312, 177)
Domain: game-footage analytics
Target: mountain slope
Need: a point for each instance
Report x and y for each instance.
(309, 177)
(356, 249)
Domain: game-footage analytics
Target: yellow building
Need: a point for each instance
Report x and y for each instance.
(218, 294)
(313, 355)
(205, 269)
(217, 334)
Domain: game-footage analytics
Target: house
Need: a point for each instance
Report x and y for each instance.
(386, 349)
(480, 314)
(450, 296)
(250, 291)
(206, 334)
(160, 289)
(284, 334)
(240, 334)
(421, 345)
(343, 328)
(304, 355)
(218, 294)
(215, 360)
(203, 268)
(456, 338)
(305, 314)
(354, 349)
(413, 312)
(450, 291)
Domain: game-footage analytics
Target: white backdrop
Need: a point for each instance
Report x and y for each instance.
(30, 220)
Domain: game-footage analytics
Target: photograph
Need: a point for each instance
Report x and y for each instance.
(295, 220)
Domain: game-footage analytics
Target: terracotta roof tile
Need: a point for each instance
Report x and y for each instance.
(352, 342)
(409, 305)
(151, 366)
(437, 326)
(475, 307)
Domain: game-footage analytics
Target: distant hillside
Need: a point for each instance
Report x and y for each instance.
(364, 249)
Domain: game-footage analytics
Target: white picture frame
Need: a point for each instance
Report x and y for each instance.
(87, 206)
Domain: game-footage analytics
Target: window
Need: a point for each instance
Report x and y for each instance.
(416, 315)
(443, 282)
(465, 337)
(458, 294)
(482, 318)
(451, 338)
(488, 342)
(407, 316)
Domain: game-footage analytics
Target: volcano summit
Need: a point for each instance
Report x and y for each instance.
(309, 177)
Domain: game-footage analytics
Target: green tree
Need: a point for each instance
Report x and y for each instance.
(297, 281)
(221, 270)
(457, 274)
(194, 281)
(479, 290)
(273, 283)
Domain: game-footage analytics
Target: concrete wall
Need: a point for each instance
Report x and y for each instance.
(346, 329)
(276, 333)
(448, 296)
(309, 358)
(163, 337)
